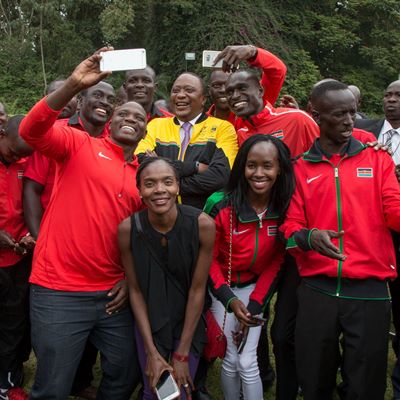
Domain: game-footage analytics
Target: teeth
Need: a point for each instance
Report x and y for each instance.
(101, 111)
(222, 99)
(181, 104)
(240, 104)
(128, 128)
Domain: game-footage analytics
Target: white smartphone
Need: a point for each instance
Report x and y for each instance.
(209, 57)
(123, 60)
(166, 388)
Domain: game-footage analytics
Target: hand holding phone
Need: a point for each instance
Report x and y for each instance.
(166, 388)
(209, 57)
(258, 320)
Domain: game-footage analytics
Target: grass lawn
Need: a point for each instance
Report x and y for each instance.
(213, 377)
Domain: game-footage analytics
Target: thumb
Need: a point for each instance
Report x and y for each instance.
(334, 234)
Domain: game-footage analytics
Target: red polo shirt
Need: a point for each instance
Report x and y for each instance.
(42, 169)
(94, 191)
(11, 212)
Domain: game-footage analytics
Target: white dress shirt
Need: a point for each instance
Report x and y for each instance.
(383, 137)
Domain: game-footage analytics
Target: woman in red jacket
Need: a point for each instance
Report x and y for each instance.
(247, 254)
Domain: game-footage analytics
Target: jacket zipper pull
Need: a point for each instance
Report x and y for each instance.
(336, 172)
(260, 222)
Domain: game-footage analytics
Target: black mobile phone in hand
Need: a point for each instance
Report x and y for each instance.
(258, 320)
(166, 388)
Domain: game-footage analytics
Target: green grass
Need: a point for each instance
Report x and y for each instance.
(213, 382)
(213, 378)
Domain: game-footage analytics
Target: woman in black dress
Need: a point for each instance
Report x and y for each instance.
(166, 250)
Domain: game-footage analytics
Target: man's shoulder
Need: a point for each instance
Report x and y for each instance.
(288, 114)
(370, 125)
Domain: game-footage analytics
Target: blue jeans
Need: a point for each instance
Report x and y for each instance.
(62, 322)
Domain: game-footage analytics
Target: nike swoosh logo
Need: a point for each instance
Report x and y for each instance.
(235, 232)
(309, 180)
(104, 156)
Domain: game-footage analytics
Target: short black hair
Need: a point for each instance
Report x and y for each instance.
(12, 126)
(320, 90)
(251, 75)
(151, 160)
(153, 73)
(83, 92)
(283, 189)
(52, 83)
(201, 80)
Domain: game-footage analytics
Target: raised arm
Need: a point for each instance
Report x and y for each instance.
(273, 69)
(37, 127)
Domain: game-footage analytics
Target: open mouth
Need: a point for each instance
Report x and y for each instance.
(161, 201)
(239, 104)
(130, 130)
(222, 99)
(101, 111)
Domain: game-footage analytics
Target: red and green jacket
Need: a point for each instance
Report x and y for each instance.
(356, 192)
(257, 254)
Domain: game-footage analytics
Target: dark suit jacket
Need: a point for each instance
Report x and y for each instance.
(370, 125)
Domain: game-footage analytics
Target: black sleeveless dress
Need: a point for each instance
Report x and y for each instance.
(178, 251)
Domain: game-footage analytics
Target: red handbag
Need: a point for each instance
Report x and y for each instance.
(216, 339)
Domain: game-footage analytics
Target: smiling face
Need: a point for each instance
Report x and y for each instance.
(244, 94)
(335, 114)
(159, 187)
(140, 86)
(97, 103)
(261, 169)
(128, 124)
(217, 89)
(391, 104)
(187, 97)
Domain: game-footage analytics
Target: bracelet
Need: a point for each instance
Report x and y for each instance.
(180, 357)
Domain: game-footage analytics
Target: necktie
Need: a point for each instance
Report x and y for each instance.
(186, 138)
(389, 136)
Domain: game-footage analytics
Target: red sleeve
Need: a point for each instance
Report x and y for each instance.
(273, 75)
(56, 142)
(261, 292)
(302, 134)
(295, 217)
(37, 168)
(390, 192)
(364, 136)
(216, 275)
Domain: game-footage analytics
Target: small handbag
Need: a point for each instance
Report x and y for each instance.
(216, 339)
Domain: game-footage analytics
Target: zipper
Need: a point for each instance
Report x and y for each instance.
(340, 222)
(339, 214)
(259, 224)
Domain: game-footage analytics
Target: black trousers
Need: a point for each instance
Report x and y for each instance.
(15, 344)
(282, 331)
(84, 373)
(364, 324)
(395, 293)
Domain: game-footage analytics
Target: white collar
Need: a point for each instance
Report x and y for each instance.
(192, 121)
(387, 126)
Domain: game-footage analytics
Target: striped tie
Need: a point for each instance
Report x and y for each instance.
(389, 136)
(186, 139)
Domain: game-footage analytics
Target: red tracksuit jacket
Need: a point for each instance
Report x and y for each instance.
(358, 193)
(256, 253)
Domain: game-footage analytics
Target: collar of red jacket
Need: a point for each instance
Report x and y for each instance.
(317, 154)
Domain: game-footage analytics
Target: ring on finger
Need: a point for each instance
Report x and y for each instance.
(185, 385)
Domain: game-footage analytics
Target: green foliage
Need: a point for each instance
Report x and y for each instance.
(116, 19)
(355, 41)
